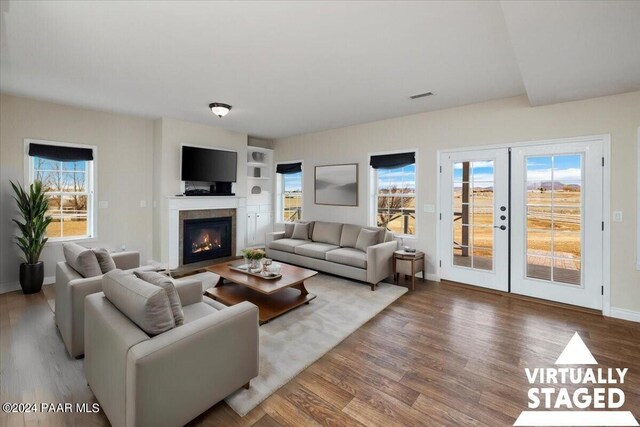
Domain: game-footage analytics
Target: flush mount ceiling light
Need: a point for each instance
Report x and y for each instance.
(220, 109)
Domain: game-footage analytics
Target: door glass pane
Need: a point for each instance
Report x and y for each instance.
(539, 242)
(473, 207)
(539, 267)
(566, 271)
(461, 256)
(483, 237)
(483, 258)
(554, 218)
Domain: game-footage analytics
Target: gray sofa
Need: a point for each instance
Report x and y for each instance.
(141, 379)
(331, 247)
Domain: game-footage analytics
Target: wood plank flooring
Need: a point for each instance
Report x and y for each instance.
(442, 355)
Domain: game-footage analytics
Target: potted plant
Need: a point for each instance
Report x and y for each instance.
(252, 257)
(33, 207)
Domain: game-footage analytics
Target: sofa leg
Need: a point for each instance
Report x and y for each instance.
(247, 385)
(373, 287)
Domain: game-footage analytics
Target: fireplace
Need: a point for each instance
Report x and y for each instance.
(206, 239)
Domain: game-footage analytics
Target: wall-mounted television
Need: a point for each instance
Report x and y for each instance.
(208, 165)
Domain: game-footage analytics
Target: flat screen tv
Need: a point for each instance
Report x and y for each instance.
(208, 165)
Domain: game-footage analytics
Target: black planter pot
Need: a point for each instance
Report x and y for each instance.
(31, 277)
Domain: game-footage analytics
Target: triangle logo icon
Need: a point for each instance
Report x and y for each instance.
(576, 353)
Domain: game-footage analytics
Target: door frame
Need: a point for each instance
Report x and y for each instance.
(606, 199)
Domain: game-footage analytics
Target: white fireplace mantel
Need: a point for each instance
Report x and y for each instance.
(175, 204)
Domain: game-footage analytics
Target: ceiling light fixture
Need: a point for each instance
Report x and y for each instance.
(220, 109)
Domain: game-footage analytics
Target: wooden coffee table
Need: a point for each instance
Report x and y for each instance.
(273, 297)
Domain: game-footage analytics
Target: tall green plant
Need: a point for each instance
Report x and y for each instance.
(33, 207)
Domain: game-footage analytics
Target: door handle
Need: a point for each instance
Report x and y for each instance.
(501, 227)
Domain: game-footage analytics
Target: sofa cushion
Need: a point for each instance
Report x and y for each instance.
(286, 245)
(367, 238)
(169, 287)
(315, 250)
(144, 304)
(288, 230)
(300, 231)
(348, 256)
(81, 259)
(196, 311)
(104, 260)
(327, 232)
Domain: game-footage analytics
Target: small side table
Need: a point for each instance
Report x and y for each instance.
(417, 261)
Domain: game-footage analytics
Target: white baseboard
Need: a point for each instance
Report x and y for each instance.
(9, 287)
(623, 313)
(15, 286)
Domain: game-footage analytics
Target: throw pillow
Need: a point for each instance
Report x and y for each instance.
(167, 284)
(366, 238)
(300, 231)
(288, 230)
(81, 259)
(104, 260)
(144, 304)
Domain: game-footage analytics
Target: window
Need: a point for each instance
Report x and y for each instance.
(289, 191)
(66, 172)
(394, 192)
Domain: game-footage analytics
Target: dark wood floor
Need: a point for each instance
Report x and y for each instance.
(442, 355)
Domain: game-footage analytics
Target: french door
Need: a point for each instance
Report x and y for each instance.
(474, 190)
(557, 220)
(527, 220)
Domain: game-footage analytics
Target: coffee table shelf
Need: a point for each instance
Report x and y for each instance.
(273, 297)
(270, 306)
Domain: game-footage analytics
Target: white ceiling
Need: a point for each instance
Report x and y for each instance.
(296, 67)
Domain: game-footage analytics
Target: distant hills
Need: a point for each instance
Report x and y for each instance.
(551, 185)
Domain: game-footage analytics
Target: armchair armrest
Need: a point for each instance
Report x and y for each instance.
(189, 291)
(126, 260)
(270, 237)
(180, 372)
(379, 261)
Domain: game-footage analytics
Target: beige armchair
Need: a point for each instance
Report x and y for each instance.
(170, 378)
(71, 289)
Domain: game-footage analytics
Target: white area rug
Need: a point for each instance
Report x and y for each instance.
(295, 340)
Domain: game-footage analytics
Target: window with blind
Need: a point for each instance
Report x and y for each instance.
(394, 192)
(289, 191)
(67, 174)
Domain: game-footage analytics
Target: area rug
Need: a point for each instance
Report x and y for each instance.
(292, 342)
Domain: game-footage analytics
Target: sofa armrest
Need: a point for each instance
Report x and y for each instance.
(109, 335)
(126, 260)
(270, 237)
(189, 291)
(179, 374)
(379, 261)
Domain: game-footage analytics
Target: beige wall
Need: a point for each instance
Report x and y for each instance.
(505, 121)
(124, 168)
(170, 135)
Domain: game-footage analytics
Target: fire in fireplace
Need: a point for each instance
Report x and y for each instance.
(206, 239)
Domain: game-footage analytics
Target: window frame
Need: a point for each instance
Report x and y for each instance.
(91, 175)
(280, 193)
(373, 192)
